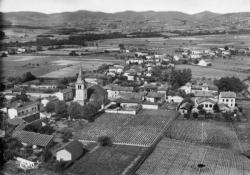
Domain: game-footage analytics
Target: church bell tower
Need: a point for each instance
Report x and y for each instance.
(80, 89)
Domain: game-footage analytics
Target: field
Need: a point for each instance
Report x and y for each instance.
(212, 72)
(177, 157)
(212, 133)
(141, 130)
(243, 132)
(107, 160)
(16, 65)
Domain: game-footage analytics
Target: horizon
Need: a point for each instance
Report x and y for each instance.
(114, 6)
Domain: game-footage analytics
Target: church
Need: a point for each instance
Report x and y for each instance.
(85, 93)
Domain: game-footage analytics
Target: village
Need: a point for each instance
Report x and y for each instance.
(52, 125)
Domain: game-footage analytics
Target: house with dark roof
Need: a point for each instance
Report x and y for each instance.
(70, 151)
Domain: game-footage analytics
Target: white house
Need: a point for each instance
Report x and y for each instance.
(174, 99)
(23, 109)
(115, 90)
(65, 94)
(227, 98)
(206, 103)
(70, 152)
(203, 63)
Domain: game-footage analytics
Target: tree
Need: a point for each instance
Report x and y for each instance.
(61, 108)
(229, 84)
(179, 77)
(28, 76)
(104, 141)
(216, 108)
(50, 107)
(66, 134)
(75, 110)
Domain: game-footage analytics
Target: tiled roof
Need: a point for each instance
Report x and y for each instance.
(203, 94)
(228, 95)
(33, 138)
(201, 100)
(118, 88)
(132, 95)
(155, 95)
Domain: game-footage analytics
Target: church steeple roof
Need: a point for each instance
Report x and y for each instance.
(80, 79)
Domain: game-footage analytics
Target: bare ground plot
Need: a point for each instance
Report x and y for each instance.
(212, 72)
(107, 160)
(142, 129)
(174, 157)
(16, 65)
(209, 132)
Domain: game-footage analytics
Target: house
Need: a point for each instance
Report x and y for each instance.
(155, 97)
(134, 61)
(23, 109)
(65, 94)
(203, 63)
(70, 152)
(46, 100)
(198, 89)
(32, 138)
(117, 69)
(174, 99)
(227, 98)
(206, 103)
(115, 90)
(184, 108)
(150, 105)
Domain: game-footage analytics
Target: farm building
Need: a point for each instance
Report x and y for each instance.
(70, 152)
(206, 103)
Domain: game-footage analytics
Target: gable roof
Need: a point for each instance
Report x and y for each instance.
(228, 94)
(118, 88)
(201, 100)
(74, 147)
(33, 138)
(155, 95)
(15, 121)
(203, 94)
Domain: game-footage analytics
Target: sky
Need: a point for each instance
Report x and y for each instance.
(111, 6)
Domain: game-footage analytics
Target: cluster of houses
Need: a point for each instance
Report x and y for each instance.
(206, 97)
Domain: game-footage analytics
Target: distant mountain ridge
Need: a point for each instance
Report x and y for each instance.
(122, 19)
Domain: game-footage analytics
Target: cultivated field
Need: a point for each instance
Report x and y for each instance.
(243, 132)
(142, 129)
(16, 65)
(177, 157)
(107, 160)
(212, 72)
(212, 133)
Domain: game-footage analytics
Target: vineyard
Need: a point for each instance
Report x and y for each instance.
(211, 133)
(106, 160)
(178, 157)
(141, 130)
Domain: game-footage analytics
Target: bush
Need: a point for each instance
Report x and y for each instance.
(105, 141)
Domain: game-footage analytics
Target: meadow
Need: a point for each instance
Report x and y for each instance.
(178, 157)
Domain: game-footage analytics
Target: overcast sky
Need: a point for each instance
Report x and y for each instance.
(188, 6)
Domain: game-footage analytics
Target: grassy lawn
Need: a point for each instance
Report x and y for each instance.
(182, 158)
(106, 160)
(141, 129)
(208, 132)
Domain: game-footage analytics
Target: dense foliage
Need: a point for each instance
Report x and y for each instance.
(229, 84)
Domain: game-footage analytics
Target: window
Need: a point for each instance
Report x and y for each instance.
(79, 86)
(226, 100)
(206, 105)
(232, 100)
(210, 105)
(223, 100)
